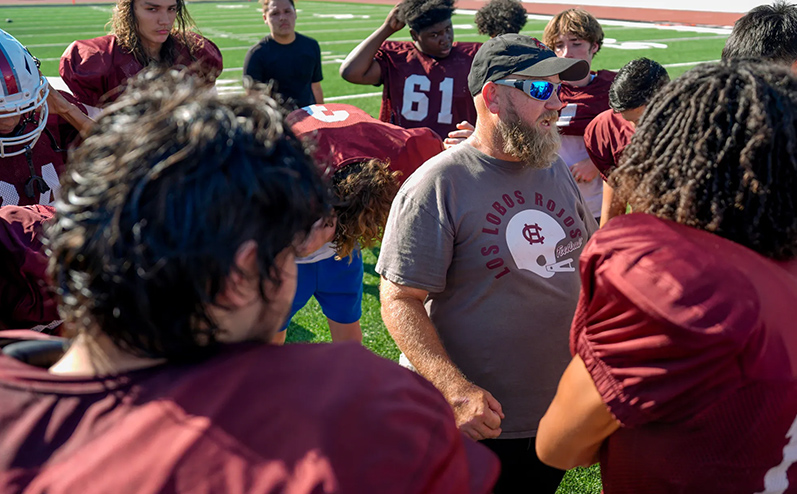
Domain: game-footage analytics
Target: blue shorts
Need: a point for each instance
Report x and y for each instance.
(337, 285)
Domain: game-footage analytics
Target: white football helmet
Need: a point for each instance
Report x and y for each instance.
(23, 91)
(532, 237)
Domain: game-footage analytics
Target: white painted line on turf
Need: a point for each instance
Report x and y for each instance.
(353, 96)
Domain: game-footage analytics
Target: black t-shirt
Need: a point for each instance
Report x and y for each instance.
(293, 67)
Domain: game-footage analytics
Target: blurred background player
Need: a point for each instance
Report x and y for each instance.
(143, 33)
(685, 351)
(767, 32)
(501, 17)
(37, 124)
(610, 132)
(174, 261)
(575, 33)
(368, 160)
(285, 58)
(426, 80)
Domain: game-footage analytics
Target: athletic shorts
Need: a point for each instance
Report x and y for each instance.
(337, 285)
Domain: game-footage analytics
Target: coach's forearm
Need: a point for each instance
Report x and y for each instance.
(408, 323)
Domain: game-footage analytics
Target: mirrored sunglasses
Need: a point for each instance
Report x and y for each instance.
(539, 90)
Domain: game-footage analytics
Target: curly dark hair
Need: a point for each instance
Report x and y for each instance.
(123, 25)
(717, 150)
(501, 17)
(158, 199)
(364, 190)
(636, 83)
(420, 14)
(768, 32)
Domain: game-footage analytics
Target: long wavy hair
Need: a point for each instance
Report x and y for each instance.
(364, 192)
(717, 150)
(124, 26)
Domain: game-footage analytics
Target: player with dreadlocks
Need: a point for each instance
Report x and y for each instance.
(143, 33)
(426, 80)
(683, 341)
(500, 17)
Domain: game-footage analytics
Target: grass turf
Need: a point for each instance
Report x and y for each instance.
(339, 27)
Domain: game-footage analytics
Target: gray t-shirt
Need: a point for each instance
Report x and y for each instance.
(496, 245)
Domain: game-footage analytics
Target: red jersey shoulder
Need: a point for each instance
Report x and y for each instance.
(582, 104)
(605, 138)
(24, 294)
(205, 52)
(345, 134)
(93, 67)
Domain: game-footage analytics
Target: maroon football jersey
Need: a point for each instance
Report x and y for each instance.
(582, 104)
(32, 178)
(345, 134)
(691, 342)
(25, 297)
(605, 138)
(94, 69)
(254, 419)
(423, 91)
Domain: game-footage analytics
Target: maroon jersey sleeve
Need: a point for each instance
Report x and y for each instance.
(582, 104)
(25, 297)
(205, 59)
(344, 134)
(85, 67)
(421, 91)
(605, 139)
(656, 324)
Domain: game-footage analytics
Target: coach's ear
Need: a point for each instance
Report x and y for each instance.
(491, 97)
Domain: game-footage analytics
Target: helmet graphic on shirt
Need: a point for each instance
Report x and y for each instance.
(23, 91)
(532, 237)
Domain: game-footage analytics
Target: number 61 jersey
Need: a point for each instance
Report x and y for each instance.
(424, 91)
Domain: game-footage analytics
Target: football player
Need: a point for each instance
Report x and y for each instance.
(610, 132)
(426, 80)
(367, 159)
(37, 125)
(143, 33)
(684, 375)
(575, 33)
(767, 32)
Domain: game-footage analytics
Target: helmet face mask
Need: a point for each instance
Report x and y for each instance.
(23, 91)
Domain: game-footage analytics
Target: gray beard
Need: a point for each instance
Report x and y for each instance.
(532, 145)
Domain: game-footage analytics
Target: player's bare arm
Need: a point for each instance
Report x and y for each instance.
(577, 422)
(611, 206)
(58, 105)
(478, 414)
(360, 66)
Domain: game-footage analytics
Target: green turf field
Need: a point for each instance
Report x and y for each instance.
(235, 26)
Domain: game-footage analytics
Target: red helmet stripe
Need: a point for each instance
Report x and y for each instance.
(10, 80)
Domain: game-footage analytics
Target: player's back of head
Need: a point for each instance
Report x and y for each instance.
(157, 201)
(768, 32)
(501, 17)
(420, 14)
(576, 22)
(715, 151)
(636, 83)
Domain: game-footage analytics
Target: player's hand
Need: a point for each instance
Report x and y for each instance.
(584, 171)
(323, 231)
(392, 22)
(56, 103)
(464, 130)
(477, 413)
